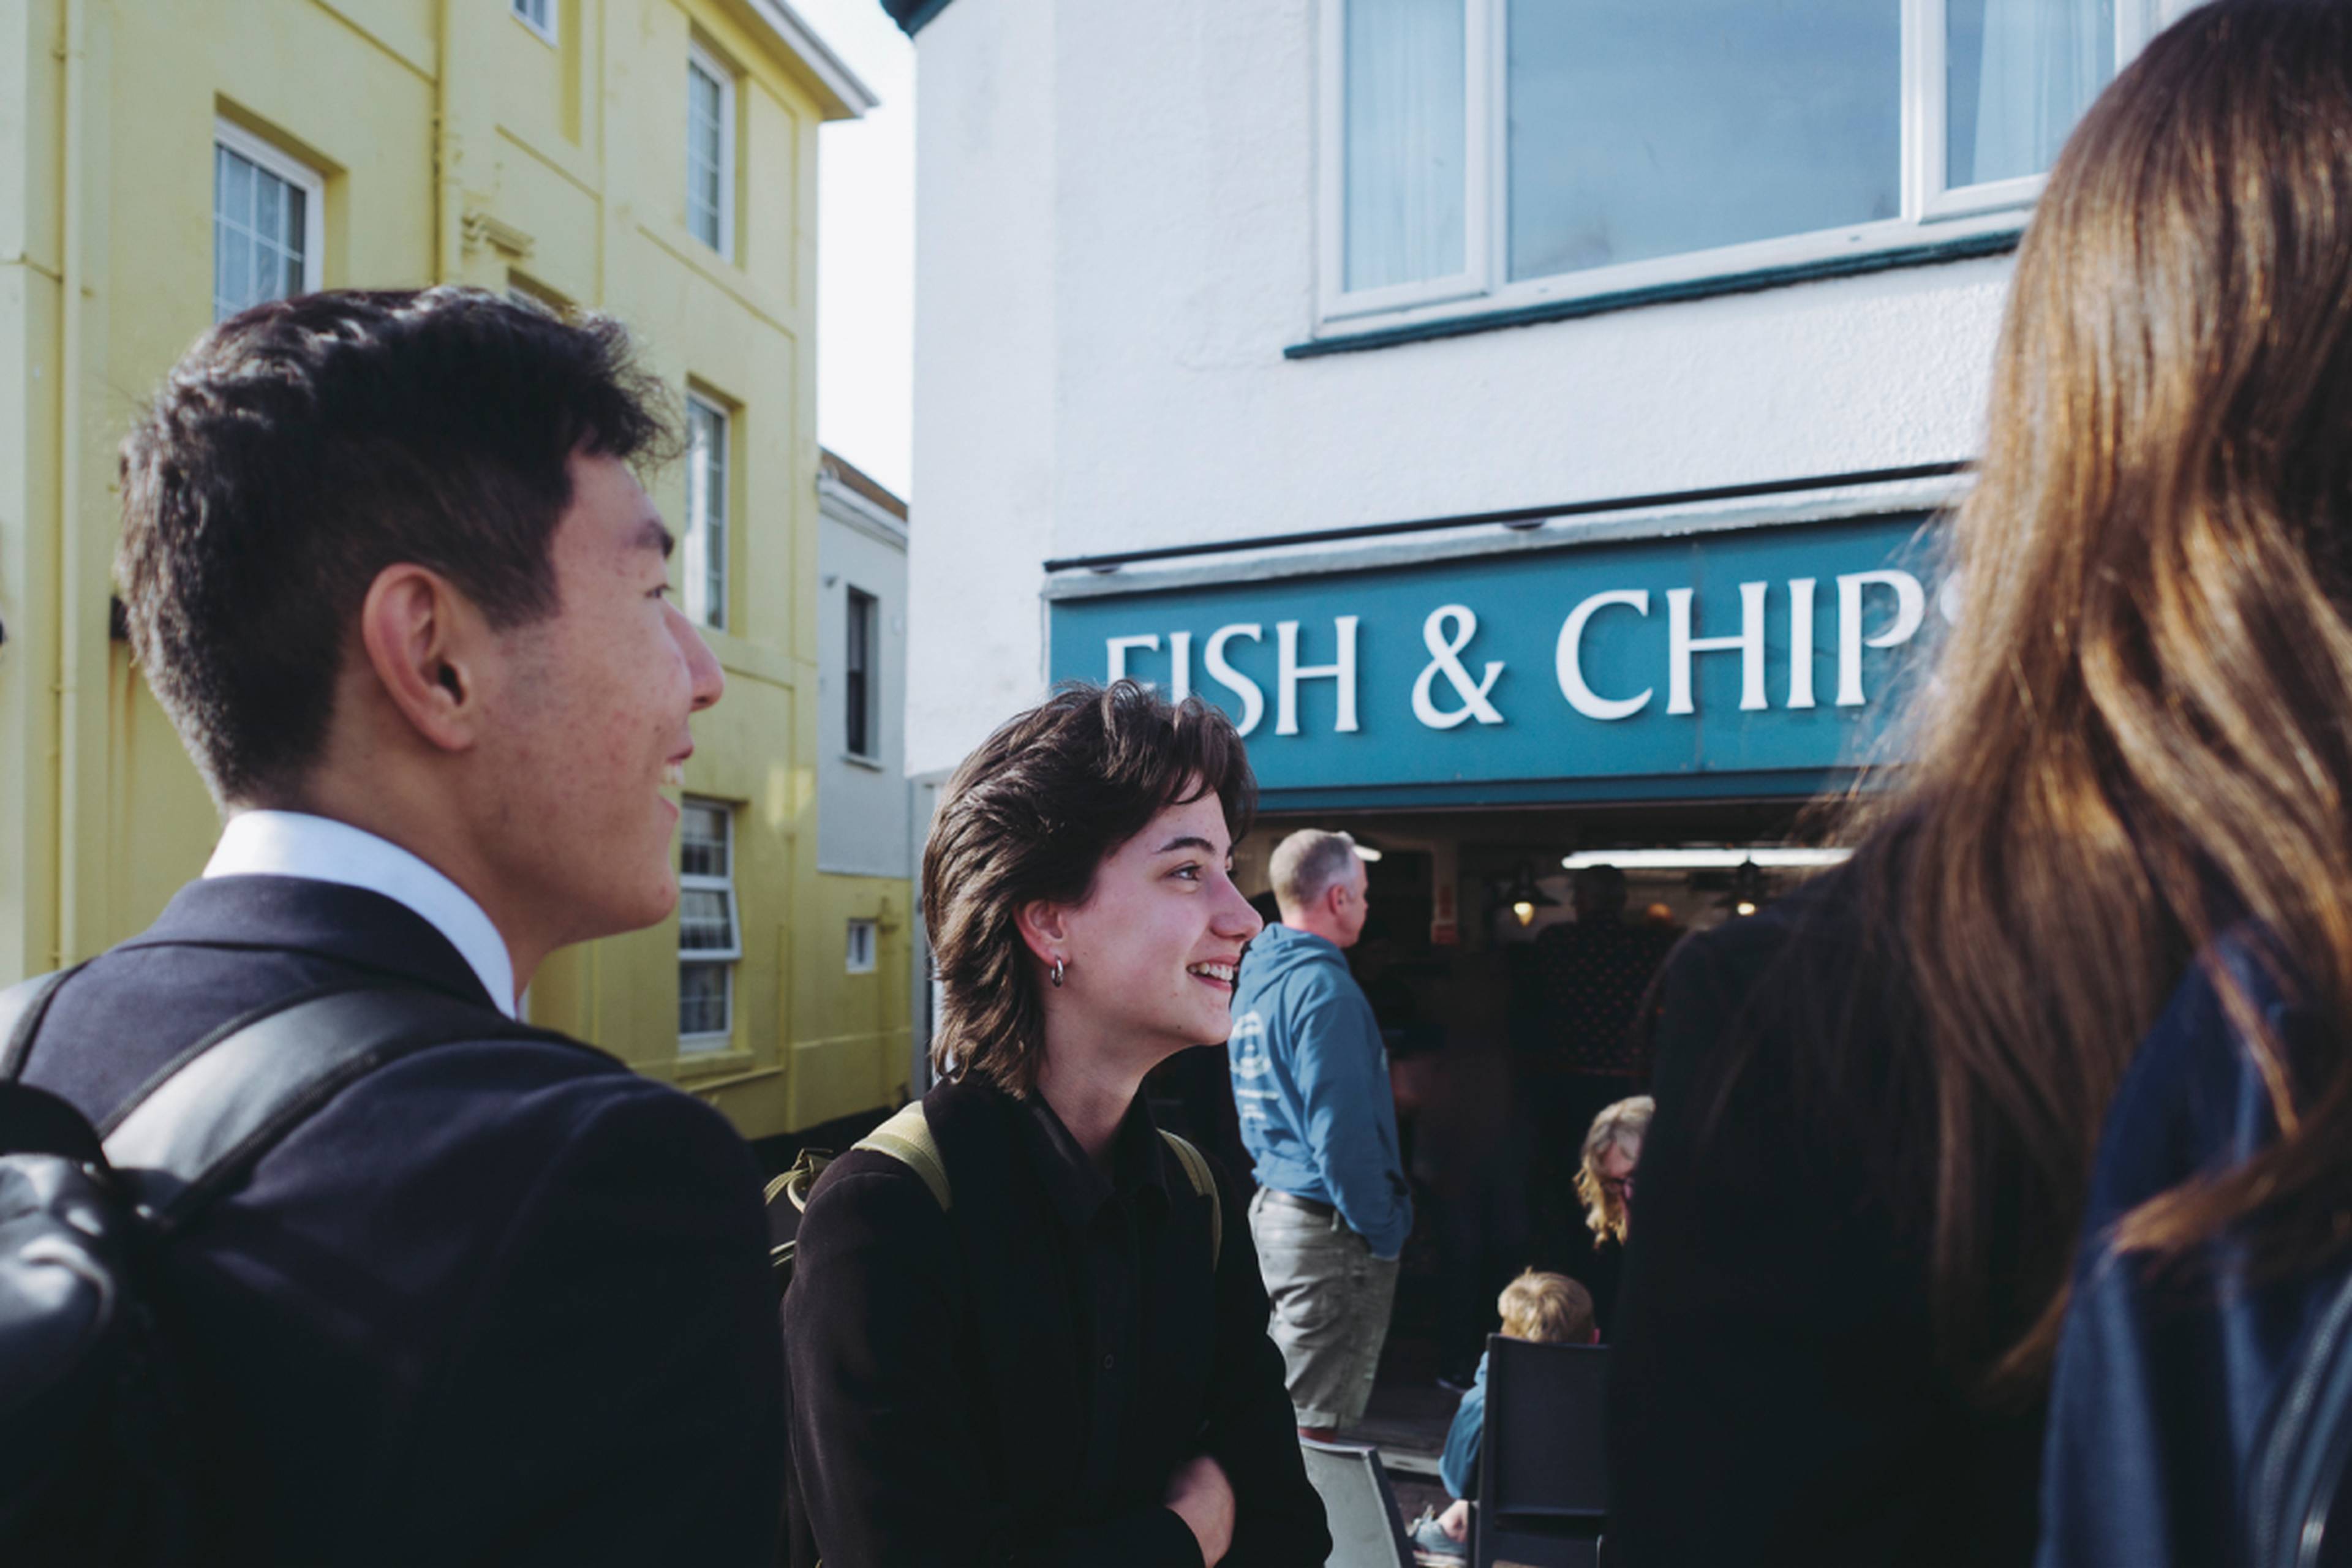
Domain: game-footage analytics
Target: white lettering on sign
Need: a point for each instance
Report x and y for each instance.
(1680, 646)
(1222, 671)
(1910, 607)
(1571, 664)
(1289, 672)
(1118, 658)
(1446, 632)
(1801, 641)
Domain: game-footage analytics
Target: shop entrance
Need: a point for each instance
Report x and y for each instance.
(1489, 1001)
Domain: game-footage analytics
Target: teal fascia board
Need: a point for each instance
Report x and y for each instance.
(913, 15)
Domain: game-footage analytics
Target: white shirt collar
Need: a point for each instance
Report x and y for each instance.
(295, 844)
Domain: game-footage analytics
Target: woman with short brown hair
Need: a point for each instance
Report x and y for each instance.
(1024, 1325)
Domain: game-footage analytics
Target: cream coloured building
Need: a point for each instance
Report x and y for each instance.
(164, 162)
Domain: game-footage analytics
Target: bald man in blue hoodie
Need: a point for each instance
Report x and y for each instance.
(1311, 1084)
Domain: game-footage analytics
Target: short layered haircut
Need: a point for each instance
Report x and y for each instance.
(1030, 817)
(1549, 1308)
(1308, 863)
(304, 445)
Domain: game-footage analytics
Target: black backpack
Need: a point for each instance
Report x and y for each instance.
(95, 1440)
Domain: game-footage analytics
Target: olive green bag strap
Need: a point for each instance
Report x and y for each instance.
(907, 1137)
(1196, 1166)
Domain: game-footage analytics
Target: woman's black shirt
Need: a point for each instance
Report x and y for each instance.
(1014, 1379)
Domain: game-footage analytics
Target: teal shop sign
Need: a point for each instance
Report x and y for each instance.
(1651, 669)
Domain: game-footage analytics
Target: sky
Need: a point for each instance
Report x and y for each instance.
(866, 248)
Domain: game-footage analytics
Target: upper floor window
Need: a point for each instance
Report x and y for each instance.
(539, 15)
(710, 936)
(706, 513)
(857, 678)
(710, 150)
(269, 217)
(1494, 152)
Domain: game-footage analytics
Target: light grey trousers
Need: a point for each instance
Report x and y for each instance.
(1331, 1300)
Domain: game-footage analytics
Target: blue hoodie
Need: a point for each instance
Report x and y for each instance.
(1311, 1084)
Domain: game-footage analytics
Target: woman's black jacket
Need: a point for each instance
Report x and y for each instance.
(1775, 1390)
(950, 1395)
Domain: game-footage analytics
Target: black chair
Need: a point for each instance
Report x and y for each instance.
(1543, 1491)
(1367, 1531)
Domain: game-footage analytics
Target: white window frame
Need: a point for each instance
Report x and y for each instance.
(272, 160)
(702, 59)
(869, 928)
(1931, 212)
(728, 958)
(695, 591)
(548, 28)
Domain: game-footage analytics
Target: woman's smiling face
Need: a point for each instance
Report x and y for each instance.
(1154, 949)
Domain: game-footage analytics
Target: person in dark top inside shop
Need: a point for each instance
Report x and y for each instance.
(1041, 1340)
(1879, 1102)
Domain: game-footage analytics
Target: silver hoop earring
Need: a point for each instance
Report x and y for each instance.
(1058, 967)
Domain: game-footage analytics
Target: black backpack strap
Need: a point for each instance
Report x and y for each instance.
(199, 1128)
(22, 1008)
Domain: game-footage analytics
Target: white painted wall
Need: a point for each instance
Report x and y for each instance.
(864, 823)
(1116, 240)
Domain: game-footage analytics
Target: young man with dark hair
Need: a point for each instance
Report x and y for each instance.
(387, 567)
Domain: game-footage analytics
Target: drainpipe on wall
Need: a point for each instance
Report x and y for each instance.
(71, 612)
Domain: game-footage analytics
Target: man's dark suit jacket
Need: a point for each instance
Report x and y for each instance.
(946, 1371)
(499, 1301)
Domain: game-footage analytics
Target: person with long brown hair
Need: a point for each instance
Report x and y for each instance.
(1878, 1103)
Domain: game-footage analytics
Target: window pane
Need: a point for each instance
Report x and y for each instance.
(295, 207)
(706, 507)
(702, 999)
(704, 164)
(1647, 128)
(2020, 73)
(259, 234)
(705, 925)
(702, 840)
(857, 685)
(235, 198)
(226, 243)
(1404, 140)
(269, 209)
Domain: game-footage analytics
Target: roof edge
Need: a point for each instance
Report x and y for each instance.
(842, 96)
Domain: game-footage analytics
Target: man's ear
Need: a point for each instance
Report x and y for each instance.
(1045, 930)
(425, 642)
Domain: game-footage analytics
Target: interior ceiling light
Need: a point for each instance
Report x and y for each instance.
(1702, 859)
(1366, 852)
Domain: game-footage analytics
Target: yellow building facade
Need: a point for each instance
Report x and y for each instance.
(161, 161)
